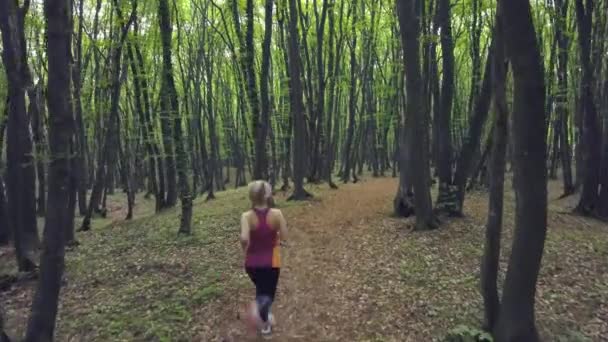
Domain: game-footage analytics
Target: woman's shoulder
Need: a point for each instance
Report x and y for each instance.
(276, 212)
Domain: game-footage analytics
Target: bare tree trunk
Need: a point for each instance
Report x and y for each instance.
(563, 43)
(591, 129)
(261, 168)
(418, 140)
(444, 127)
(41, 324)
(352, 102)
(36, 112)
(491, 256)
(472, 140)
(108, 159)
(21, 175)
(170, 105)
(516, 318)
(80, 165)
(297, 106)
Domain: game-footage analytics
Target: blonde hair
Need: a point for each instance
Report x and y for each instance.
(260, 193)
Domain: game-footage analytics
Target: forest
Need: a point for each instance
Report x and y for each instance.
(442, 166)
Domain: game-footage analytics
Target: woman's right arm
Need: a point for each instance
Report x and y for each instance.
(282, 227)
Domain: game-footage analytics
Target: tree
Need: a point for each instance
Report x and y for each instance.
(170, 106)
(516, 315)
(591, 143)
(21, 176)
(491, 255)
(444, 127)
(563, 43)
(109, 153)
(409, 22)
(297, 105)
(41, 324)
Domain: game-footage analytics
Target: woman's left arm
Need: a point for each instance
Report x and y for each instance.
(244, 232)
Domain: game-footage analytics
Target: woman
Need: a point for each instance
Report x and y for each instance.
(261, 230)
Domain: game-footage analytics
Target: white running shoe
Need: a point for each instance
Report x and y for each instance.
(267, 330)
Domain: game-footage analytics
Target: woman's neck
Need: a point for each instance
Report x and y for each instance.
(260, 207)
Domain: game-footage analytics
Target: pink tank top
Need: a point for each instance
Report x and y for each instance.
(263, 248)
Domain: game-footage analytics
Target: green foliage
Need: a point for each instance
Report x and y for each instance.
(463, 333)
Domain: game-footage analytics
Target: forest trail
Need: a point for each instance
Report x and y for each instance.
(354, 273)
(324, 291)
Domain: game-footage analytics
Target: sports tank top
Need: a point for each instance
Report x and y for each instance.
(263, 248)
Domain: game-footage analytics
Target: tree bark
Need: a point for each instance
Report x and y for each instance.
(36, 112)
(297, 106)
(109, 153)
(444, 127)
(261, 164)
(21, 175)
(418, 140)
(41, 324)
(352, 102)
(588, 203)
(491, 256)
(516, 319)
(473, 138)
(563, 43)
(170, 105)
(80, 164)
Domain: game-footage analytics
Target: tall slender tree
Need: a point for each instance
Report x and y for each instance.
(409, 22)
(170, 105)
(297, 105)
(516, 318)
(591, 143)
(41, 324)
(21, 175)
(491, 255)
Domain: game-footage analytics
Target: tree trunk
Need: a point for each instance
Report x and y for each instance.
(591, 129)
(261, 163)
(36, 112)
(4, 227)
(563, 43)
(516, 318)
(170, 105)
(80, 164)
(41, 324)
(109, 153)
(491, 256)
(409, 22)
(473, 138)
(352, 102)
(21, 175)
(333, 58)
(402, 203)
(318, 153)
(297, 106)
(213, 158)
(444, 127)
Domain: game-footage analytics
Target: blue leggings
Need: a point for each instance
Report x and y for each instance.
(265, 280)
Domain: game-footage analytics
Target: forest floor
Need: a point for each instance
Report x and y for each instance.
(351, 273)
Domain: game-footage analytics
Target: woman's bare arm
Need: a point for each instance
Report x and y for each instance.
(282, 227)
(245, 230)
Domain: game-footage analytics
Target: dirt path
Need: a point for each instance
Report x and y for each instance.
(353, 273)
(320, 295)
